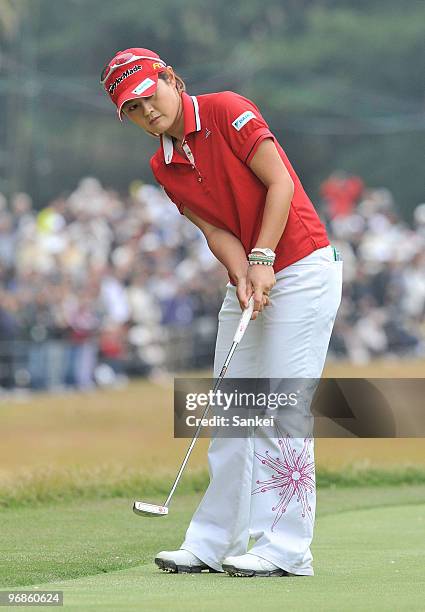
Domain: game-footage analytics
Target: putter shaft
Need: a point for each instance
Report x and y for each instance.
(242, 325)
(198, 430)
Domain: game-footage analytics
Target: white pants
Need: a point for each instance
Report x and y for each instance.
(265, 487)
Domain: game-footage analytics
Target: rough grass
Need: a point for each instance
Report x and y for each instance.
(107, 444)
(29, 488)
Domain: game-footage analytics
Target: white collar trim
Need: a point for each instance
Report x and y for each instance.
(197, 117)
(167, 141)
(168, 148)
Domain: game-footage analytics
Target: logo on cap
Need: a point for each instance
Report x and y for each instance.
(121, 78)
(143, 86)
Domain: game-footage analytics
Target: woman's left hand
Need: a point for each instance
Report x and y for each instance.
(260, 280)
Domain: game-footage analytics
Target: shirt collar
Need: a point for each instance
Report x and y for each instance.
(192, 123)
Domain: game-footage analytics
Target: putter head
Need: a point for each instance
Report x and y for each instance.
(149, 510)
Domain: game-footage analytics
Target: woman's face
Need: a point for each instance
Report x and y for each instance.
(158, 113)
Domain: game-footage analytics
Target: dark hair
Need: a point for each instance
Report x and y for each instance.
(180, 84)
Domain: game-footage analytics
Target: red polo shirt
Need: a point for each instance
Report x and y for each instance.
(223, 131)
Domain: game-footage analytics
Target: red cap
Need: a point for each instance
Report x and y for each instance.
(135, 75)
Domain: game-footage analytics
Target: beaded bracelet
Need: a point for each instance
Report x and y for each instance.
(257, 261)
(259, 258)
(254, 256)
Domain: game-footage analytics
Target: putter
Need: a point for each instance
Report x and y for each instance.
(152, 510)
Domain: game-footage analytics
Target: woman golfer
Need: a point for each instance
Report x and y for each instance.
(221, 165)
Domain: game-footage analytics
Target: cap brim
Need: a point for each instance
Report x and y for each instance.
(144, 89)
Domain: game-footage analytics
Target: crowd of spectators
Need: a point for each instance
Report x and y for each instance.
(96, 286)
(382, 313)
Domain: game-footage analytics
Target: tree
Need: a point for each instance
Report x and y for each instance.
(340, 82)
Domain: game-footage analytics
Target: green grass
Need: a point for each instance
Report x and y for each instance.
(367, 548)
(40, 486)
(70, 467)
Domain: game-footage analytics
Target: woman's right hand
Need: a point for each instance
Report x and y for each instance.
(244, 290)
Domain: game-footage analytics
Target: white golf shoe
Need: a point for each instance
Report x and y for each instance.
(251, 565)
(180, 562)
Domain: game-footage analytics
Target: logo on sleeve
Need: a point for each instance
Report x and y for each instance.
(143, 86)
(243, 120)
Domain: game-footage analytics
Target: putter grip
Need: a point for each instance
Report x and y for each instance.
(245, 319)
